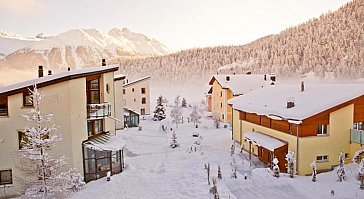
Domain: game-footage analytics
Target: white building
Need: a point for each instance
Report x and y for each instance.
(137, 95)
(83, 105)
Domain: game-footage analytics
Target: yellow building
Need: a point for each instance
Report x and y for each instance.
(316, 123)
(225, 87)
(83, 105)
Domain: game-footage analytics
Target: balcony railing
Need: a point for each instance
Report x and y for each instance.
(96, 111)
(357, 136)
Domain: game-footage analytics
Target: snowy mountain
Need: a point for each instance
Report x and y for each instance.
(333, 43)
(78, 47)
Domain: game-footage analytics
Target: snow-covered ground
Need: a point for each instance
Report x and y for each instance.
(155, 170)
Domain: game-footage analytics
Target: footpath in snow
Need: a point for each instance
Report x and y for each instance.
(155, 170)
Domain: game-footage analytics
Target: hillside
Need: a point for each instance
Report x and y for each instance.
(332, 43)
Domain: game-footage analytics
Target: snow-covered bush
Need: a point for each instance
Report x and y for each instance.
(340, 171)
(290, 163)
(216, 120)
(174, 142)
(219, 172)
(361, 173)
(159, 113)
(232, 149)
(275, 167)
(314, 172)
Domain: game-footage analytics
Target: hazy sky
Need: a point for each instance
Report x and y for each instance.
(179, 24)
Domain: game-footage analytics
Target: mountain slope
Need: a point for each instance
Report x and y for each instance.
(333, 43)
(76, 48)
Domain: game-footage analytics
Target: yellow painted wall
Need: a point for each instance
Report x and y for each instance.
(338, 139)
(67, 102)
(217, 99)
(119, 104)
(236, 126)
(229, 108)
(108, 79)
(309, 147)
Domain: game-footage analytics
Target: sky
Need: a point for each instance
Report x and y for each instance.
(179, 24)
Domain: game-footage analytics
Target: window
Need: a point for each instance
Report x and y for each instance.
(93, 91)
(322, 130)
(142, 111)
(27, 98)
(134, 100)
(144, 100)
(23, 139)
(6, 177)
(94, 127)
(222, 116)
(322, 158)
(3, 105)
(132, 89)
(358, 125)
(221, 105)
(124, 91)
(220, 93)
(346, 155)
(143, 90)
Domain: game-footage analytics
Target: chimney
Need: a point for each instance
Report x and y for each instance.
(302, 86)
(227, 78)
(40, 71)
(103, 62)
(68, 69)
(265, 77)
(49, 72)
(290, 102)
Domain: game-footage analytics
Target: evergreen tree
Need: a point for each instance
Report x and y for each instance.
(176, 112)
(159, 113)
(195, 117)
(43, 172)
(184, 103)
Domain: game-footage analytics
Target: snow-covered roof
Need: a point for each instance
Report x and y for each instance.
(272, 100)
(240, 84)
(263, 140)
(119, 77)
(57, 76)
(136, 81)
(105, 142)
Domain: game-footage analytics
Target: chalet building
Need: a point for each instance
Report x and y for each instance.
(209, 99)
(225, 87)
(316, 123)
(136, 95)
(83, 104)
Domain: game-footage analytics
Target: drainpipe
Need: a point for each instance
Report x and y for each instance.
(297, 150)
(232, 123)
